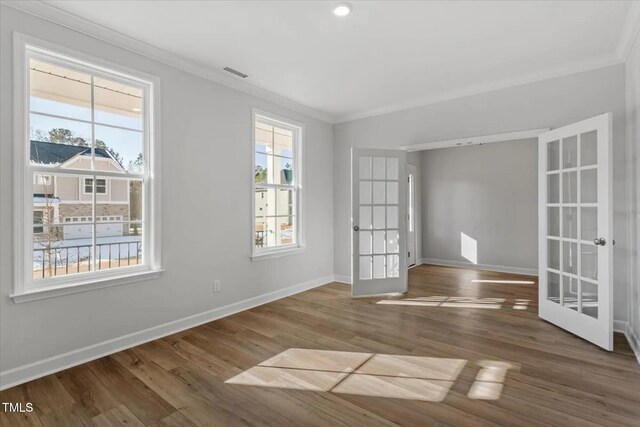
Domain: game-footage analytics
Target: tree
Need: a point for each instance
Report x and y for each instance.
(66, 136)
(261, 173)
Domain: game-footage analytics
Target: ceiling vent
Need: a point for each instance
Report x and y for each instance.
(235, 72)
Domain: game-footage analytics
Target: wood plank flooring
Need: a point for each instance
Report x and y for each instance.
(455, 329)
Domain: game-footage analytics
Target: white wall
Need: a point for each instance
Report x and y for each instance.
(205, 173)
(490, 193)
(633, 139)
(549, 103)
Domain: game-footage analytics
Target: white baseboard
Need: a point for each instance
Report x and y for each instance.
(342, 279)
(498, 268)
(624, 327)
(31, 371)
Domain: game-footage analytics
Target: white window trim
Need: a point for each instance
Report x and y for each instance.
(24, 288)
(106, 186)
(298, 171)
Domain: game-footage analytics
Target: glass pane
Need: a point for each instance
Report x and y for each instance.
(589, 186)
(62, 249)
(392, 217)
(589, 299)
(553, 188)
(378, 192)
(589, 261)
(283, 169)
(366, 242)
(112, 197)
(589, 223)
(392, 241)
(553, 222)
(379, 242)
(379, 168)
(379, 266)
(263, 167)
(60, 91)
(569, 187)
(570, 152)
(270, 232)
(392, 193)
(392, 168)
(282, 142)
(570, 222)
(285, 202)
(122, 146)
(261, 232)
(55, 141)
(366, 267)
(393, 266)
(378, 217)
(570, 257)
(285, 230)
(365, 218)
(118, 245)
(365, 167)
(570, 292)
(365, 192)
(118, 104)
(589, 148)
(553, 254)
(553, 287)
(553, 155)
(264, 138)
(265, 202)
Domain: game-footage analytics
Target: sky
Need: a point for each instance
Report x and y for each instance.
(126, 142)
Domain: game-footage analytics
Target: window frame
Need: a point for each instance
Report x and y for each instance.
(105, 186)
(298, 129)
(25, 287)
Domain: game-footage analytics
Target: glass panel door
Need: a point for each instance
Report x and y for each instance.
(379, 225)
(575, 229)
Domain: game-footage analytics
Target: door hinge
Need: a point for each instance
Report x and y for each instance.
(408, 254)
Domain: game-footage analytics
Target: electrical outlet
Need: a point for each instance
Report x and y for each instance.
(217, 285)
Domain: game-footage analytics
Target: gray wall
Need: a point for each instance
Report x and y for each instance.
(633, 143)
(550, 103)
(205, 175)
(490, 193)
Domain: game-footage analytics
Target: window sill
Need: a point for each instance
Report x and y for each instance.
(89, 285)
(277, 253)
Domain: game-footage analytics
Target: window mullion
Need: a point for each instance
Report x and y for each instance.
(95, 178)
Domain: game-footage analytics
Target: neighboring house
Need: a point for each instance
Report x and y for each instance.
(68, 200)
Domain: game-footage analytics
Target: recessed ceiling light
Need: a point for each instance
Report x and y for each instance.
(136, 109)
(342, 9)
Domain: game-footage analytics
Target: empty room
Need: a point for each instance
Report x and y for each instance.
(319, 213)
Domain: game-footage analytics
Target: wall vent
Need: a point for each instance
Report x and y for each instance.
(235, 72)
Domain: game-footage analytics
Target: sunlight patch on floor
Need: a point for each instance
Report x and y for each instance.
(377, 375)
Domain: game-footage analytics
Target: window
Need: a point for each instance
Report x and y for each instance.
(101, 186)
(89, 135)
(277, 185)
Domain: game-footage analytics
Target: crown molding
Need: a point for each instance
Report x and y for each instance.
(630, 31)
(73, 22)
(565, 70)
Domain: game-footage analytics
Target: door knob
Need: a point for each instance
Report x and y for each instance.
(356, 228)
(599, 241)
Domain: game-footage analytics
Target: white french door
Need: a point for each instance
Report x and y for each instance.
(379, 226)
(575, 229)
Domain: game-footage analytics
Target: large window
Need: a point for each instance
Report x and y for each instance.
(88, 161)
(277, 185)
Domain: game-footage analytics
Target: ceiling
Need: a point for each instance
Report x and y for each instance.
(385, 56)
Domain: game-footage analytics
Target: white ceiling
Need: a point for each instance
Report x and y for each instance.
(385, 56)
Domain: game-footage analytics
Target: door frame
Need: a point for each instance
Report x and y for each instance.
(411, 213)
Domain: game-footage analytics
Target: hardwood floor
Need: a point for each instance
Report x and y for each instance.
(480, 356)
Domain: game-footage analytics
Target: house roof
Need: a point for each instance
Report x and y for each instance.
(43, 152)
